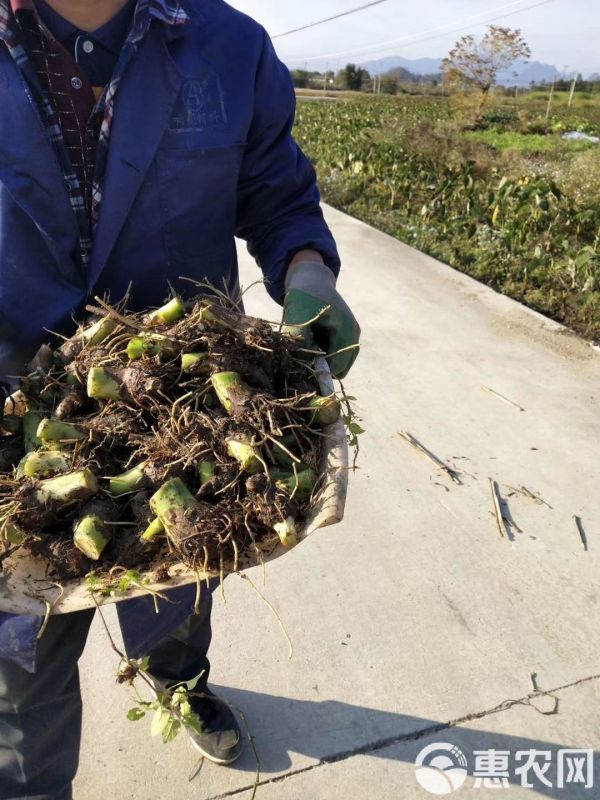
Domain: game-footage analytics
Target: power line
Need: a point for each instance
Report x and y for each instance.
(432, 33)
(425, 35)
(330, 19)
(441, 28)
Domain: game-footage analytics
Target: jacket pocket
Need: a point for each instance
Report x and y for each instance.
(198, 188)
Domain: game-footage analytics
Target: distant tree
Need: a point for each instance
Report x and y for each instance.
(389, 84)
(400, 74)
(353, 77)
(300, 77)
(474, 64)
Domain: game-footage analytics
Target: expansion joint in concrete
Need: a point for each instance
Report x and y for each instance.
(382, 744)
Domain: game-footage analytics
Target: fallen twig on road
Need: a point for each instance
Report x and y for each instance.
(452, 473)
(581, 532)
(500, 521)
(504, 399)
(529, 494)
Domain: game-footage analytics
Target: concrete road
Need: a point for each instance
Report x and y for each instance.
(414, 622)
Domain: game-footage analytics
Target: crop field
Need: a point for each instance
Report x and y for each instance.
(513, 203)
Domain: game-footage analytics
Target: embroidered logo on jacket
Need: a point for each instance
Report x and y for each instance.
(200, 105)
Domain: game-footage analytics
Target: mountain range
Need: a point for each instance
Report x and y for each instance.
(526, 72)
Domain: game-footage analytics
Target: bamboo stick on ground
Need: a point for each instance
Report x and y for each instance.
(500, 521)
(452, 473)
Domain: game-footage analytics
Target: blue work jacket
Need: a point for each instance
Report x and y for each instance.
(200, 151)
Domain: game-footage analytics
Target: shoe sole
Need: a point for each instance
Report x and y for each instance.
(223, 762)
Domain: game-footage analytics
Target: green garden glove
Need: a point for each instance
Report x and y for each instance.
(310, 287)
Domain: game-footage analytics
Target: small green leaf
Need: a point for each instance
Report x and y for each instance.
(185, 708)
(160, 720)
(170, 730)
(179, 696)
(135, 713)
(144, 663)
(355, 429)
(193, 682)
(583, 259)
(192, 721)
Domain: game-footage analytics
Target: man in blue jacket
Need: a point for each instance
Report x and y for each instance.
(137, 137)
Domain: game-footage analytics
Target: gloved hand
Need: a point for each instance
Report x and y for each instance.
(310, 287)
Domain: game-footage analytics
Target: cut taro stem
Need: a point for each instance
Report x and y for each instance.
(99, 331)
(287, 532)
(153, 530)
(193, 362)
(91, 535)
(171, 312)
(219, 320)
(31, 423)
(206, 470)
(324, 410)
(298, 334)
(74, 486)
(128, 481)
(207, 314)
(43, 462)
(139, 347)
(231, 390)
(246, 455)
(299, 485)
(53, 430)
(170, 502)
(101, 386)
(92, 335)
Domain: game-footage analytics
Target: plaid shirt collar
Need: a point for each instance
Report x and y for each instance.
(170, 12)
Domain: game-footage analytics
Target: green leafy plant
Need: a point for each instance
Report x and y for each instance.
(351, 422)
(515, 220)
(171, 709)
(120, 581)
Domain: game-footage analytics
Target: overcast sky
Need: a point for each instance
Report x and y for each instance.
(559, 32)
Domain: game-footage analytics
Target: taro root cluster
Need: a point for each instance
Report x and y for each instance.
(190, 434)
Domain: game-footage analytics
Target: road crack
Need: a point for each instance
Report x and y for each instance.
(389, 741)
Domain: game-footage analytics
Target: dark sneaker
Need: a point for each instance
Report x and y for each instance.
(221, 739)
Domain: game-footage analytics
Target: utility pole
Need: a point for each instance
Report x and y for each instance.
(551, 98)
(572, 94)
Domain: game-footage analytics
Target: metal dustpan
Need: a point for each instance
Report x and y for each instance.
(26, 589)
